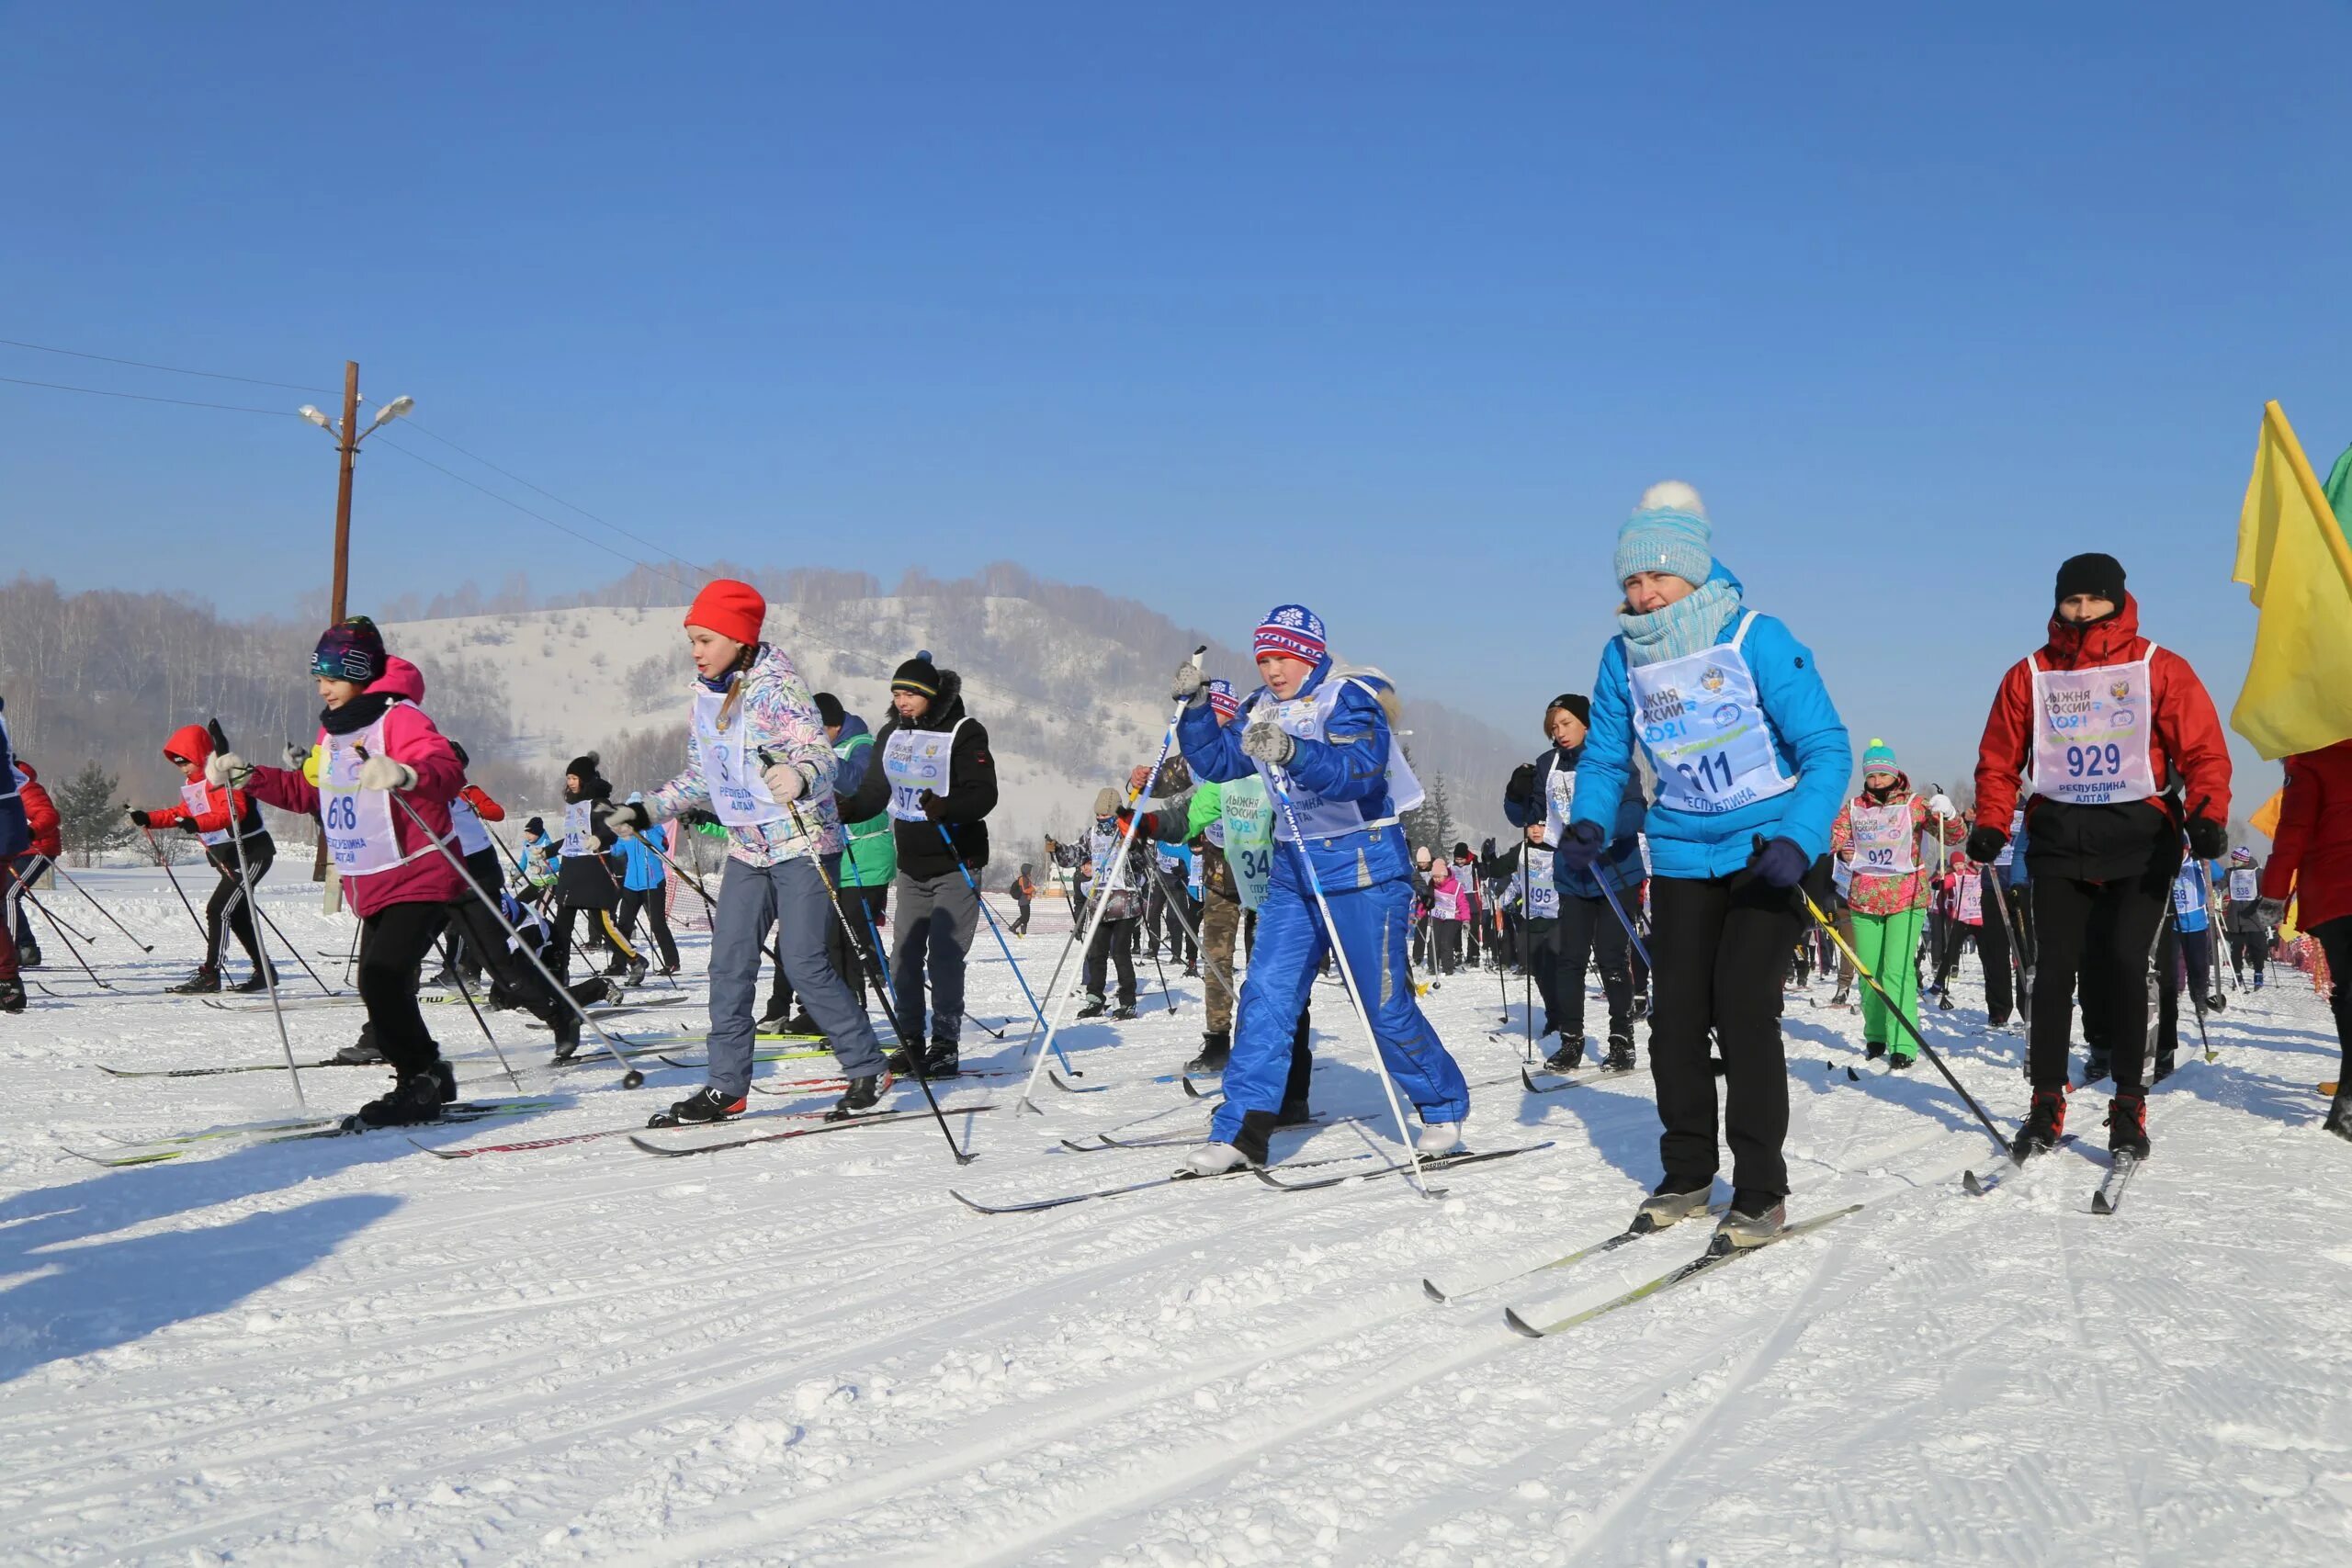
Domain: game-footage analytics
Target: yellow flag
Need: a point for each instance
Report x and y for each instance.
(2297, 569)
(2266, 820)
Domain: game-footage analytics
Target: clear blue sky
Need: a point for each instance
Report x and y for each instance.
(1390, 308)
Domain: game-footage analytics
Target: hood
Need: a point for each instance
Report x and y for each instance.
(2094, 642)
(946, 710)
(192, 741)
(400, 679)
(852, 726)
(1902, 788)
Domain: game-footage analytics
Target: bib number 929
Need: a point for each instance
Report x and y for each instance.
(2093, 761)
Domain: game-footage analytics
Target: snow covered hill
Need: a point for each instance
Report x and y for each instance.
(805, 1351)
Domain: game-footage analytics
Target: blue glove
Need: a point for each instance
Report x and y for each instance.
(1780, 863)
(1582, 847)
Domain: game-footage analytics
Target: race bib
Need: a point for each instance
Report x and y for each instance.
(916, 761)
(1247, 815)
(731, 768)
(1703, 724)
(2091, 731)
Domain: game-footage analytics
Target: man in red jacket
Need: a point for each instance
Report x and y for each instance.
(2108, 726)
(41, 819)
(2311, 856)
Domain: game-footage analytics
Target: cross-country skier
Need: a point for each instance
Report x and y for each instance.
(644, 890)
(16, 837)
(1877, 833)
(46, 829)
(778, 808)
(377, 742)
(588, 882)
(2311, 859)
(1579, 926)
(2247, 917)
(1751, 761)
(2103, 720)
(1122, 888)
(1025, 893)
(2184, 957)
(205, 812)
(1330, 734)
(943, 786)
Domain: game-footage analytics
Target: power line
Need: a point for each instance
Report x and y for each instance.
(143, 398)
(171, 369)
(526, 484)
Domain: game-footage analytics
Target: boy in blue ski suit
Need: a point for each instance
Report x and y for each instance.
(1330, 737)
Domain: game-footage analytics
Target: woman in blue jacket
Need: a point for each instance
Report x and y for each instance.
(642, 887)
(1752, 761)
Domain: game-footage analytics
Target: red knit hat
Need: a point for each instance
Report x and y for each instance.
(734, 610)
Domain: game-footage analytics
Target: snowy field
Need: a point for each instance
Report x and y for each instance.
(344, 1351)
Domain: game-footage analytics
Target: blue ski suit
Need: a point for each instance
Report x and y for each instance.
(1338, 779)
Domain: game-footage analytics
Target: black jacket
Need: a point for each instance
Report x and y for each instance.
(971, 789)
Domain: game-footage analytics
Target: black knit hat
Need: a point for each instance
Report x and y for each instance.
(918, 675)
(1576, 703)
(2102, 575)
(1461, 850)
(830, 710)
(583, 768)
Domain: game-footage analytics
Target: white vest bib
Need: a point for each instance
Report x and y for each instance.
(1886, 844)
(916, 761)
(361, 839)
(473, 837)
(1306, 718)
(2091, 732)
(1703, 724)
(738, 796)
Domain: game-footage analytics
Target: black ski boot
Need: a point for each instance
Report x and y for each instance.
(447, 1076)
(942, 1060)
(636, 973)
(1217, 1050)
(1095, 1006)
(1874, 1050)
(12, 996)
(2045, 1123)
(413, 1100)
(864, 1095)
(1123, 1014)
(256, 981)
(2339, 1116)
(566, 1026)
(1567, 1058)
(2217, 1003)
(1620, 1049)
(1943, 1001)
(29, 955)
(360, 1053)
(205, 982)
(445, 980)
(706, 1105)
(2127, 1124)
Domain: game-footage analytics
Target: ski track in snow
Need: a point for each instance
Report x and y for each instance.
(345, 1351)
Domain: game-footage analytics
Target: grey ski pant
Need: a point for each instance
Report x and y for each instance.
(790, 898)
(936, 917)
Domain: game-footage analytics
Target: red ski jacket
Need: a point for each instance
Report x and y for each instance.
(484, 807)
(2098, 843)
(193, 742)
(41, 814)
(2312, 855)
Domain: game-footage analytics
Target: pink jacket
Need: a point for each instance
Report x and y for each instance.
(409, 737)
(1445, 897)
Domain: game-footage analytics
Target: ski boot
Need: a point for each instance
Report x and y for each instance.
(1901, 1061)
(443, 979)
(636, 975)
(447, 1077)
(1753, 1219)
(1437, 1139)
(1673, 1201)
(864, 1095)
(1641, 1007)
(361, 1053)
(2045, 1123)
(706, 1105)
(1943, 1001)
(29, 955)
(1620, 1050)
(2217, 1003)
(205, 981)
(1216, 1049)
(566, 1026)
(256, 981)
(2339, 1117)
(1874, 1050)
(1212, 1159)
(12, 996)
(2127, 1124)
(1567, 1058)
(1095, 1006)
(2167, 1063)
(943, 1060)
(1123, 1014)
(414, 1100)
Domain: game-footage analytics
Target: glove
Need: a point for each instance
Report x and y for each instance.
(1581, 849)
(297, 757)
(1269, 743)
(626, 818)
(1985, 844)
(933, 806)
(1189, 685)
(1486, 851)
(225, 768)
(188, 825)
(786, 782)
(1520, 790)
(1780, 864)
(1941, 806)
(138, 820)
(2208, 840)
(2270, 912)
(382, 772)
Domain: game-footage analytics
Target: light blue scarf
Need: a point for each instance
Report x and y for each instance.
(1689, 624)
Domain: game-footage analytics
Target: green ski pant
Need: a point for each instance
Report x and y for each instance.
(1888, 946)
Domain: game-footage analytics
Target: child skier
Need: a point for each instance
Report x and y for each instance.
(587, 883)
(205, 810)
(1877, 833)
(1330, 736)
(2101, 717)
(1751, 761)
(47, 842)
(2247, 919)
(781, 828)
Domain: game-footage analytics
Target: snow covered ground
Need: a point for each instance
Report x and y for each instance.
(345, 1351)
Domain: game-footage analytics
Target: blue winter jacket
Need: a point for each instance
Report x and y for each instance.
(15, 830)
(1621, 859)
(1809, 741)
(643, 870)
(1350, 763)
(850, 772)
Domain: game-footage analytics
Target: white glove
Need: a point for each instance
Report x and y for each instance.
(786, 782)
(297, 757)
(382, 772)
(225, 768)
(1269, 743)
(1188, 686)
(1941, 806)
(626, 818)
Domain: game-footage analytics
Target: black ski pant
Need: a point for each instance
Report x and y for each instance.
(1720, 948)
(392, 945)
(1021, 925)
(654, 903)
(1994, 946)
(1113, 940)
(230, 906)
(2335, 939)
(600, 924)
(1448, 945)
(1544, 966)
(1589, 935)
(2101, 934)
(2181, 957)
(483, 866)
(2249, 950)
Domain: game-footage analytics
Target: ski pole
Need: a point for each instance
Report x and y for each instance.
(79, 934)
(261, 949)
(101, 908)
(1165, 995)
(1919, 1039)
(2196, 1002)
(989, 915)
(157, 850)
(703, 893)
(630, 1076)
(1280, 780)
(1100, 900)
(67, 940)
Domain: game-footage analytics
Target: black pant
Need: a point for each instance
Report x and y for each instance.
(1720, 948)
(1447, 944)
(1540, 946)
(2102, 933)
(1994, 946)
(655, 903)
(1590, 931)
(600, 928)
(1021, 926)
(1114, 938)
(392, 945)
(2335, 939)
(229, 904)
(2249, 950)
(2181, 957)
(483, 866)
